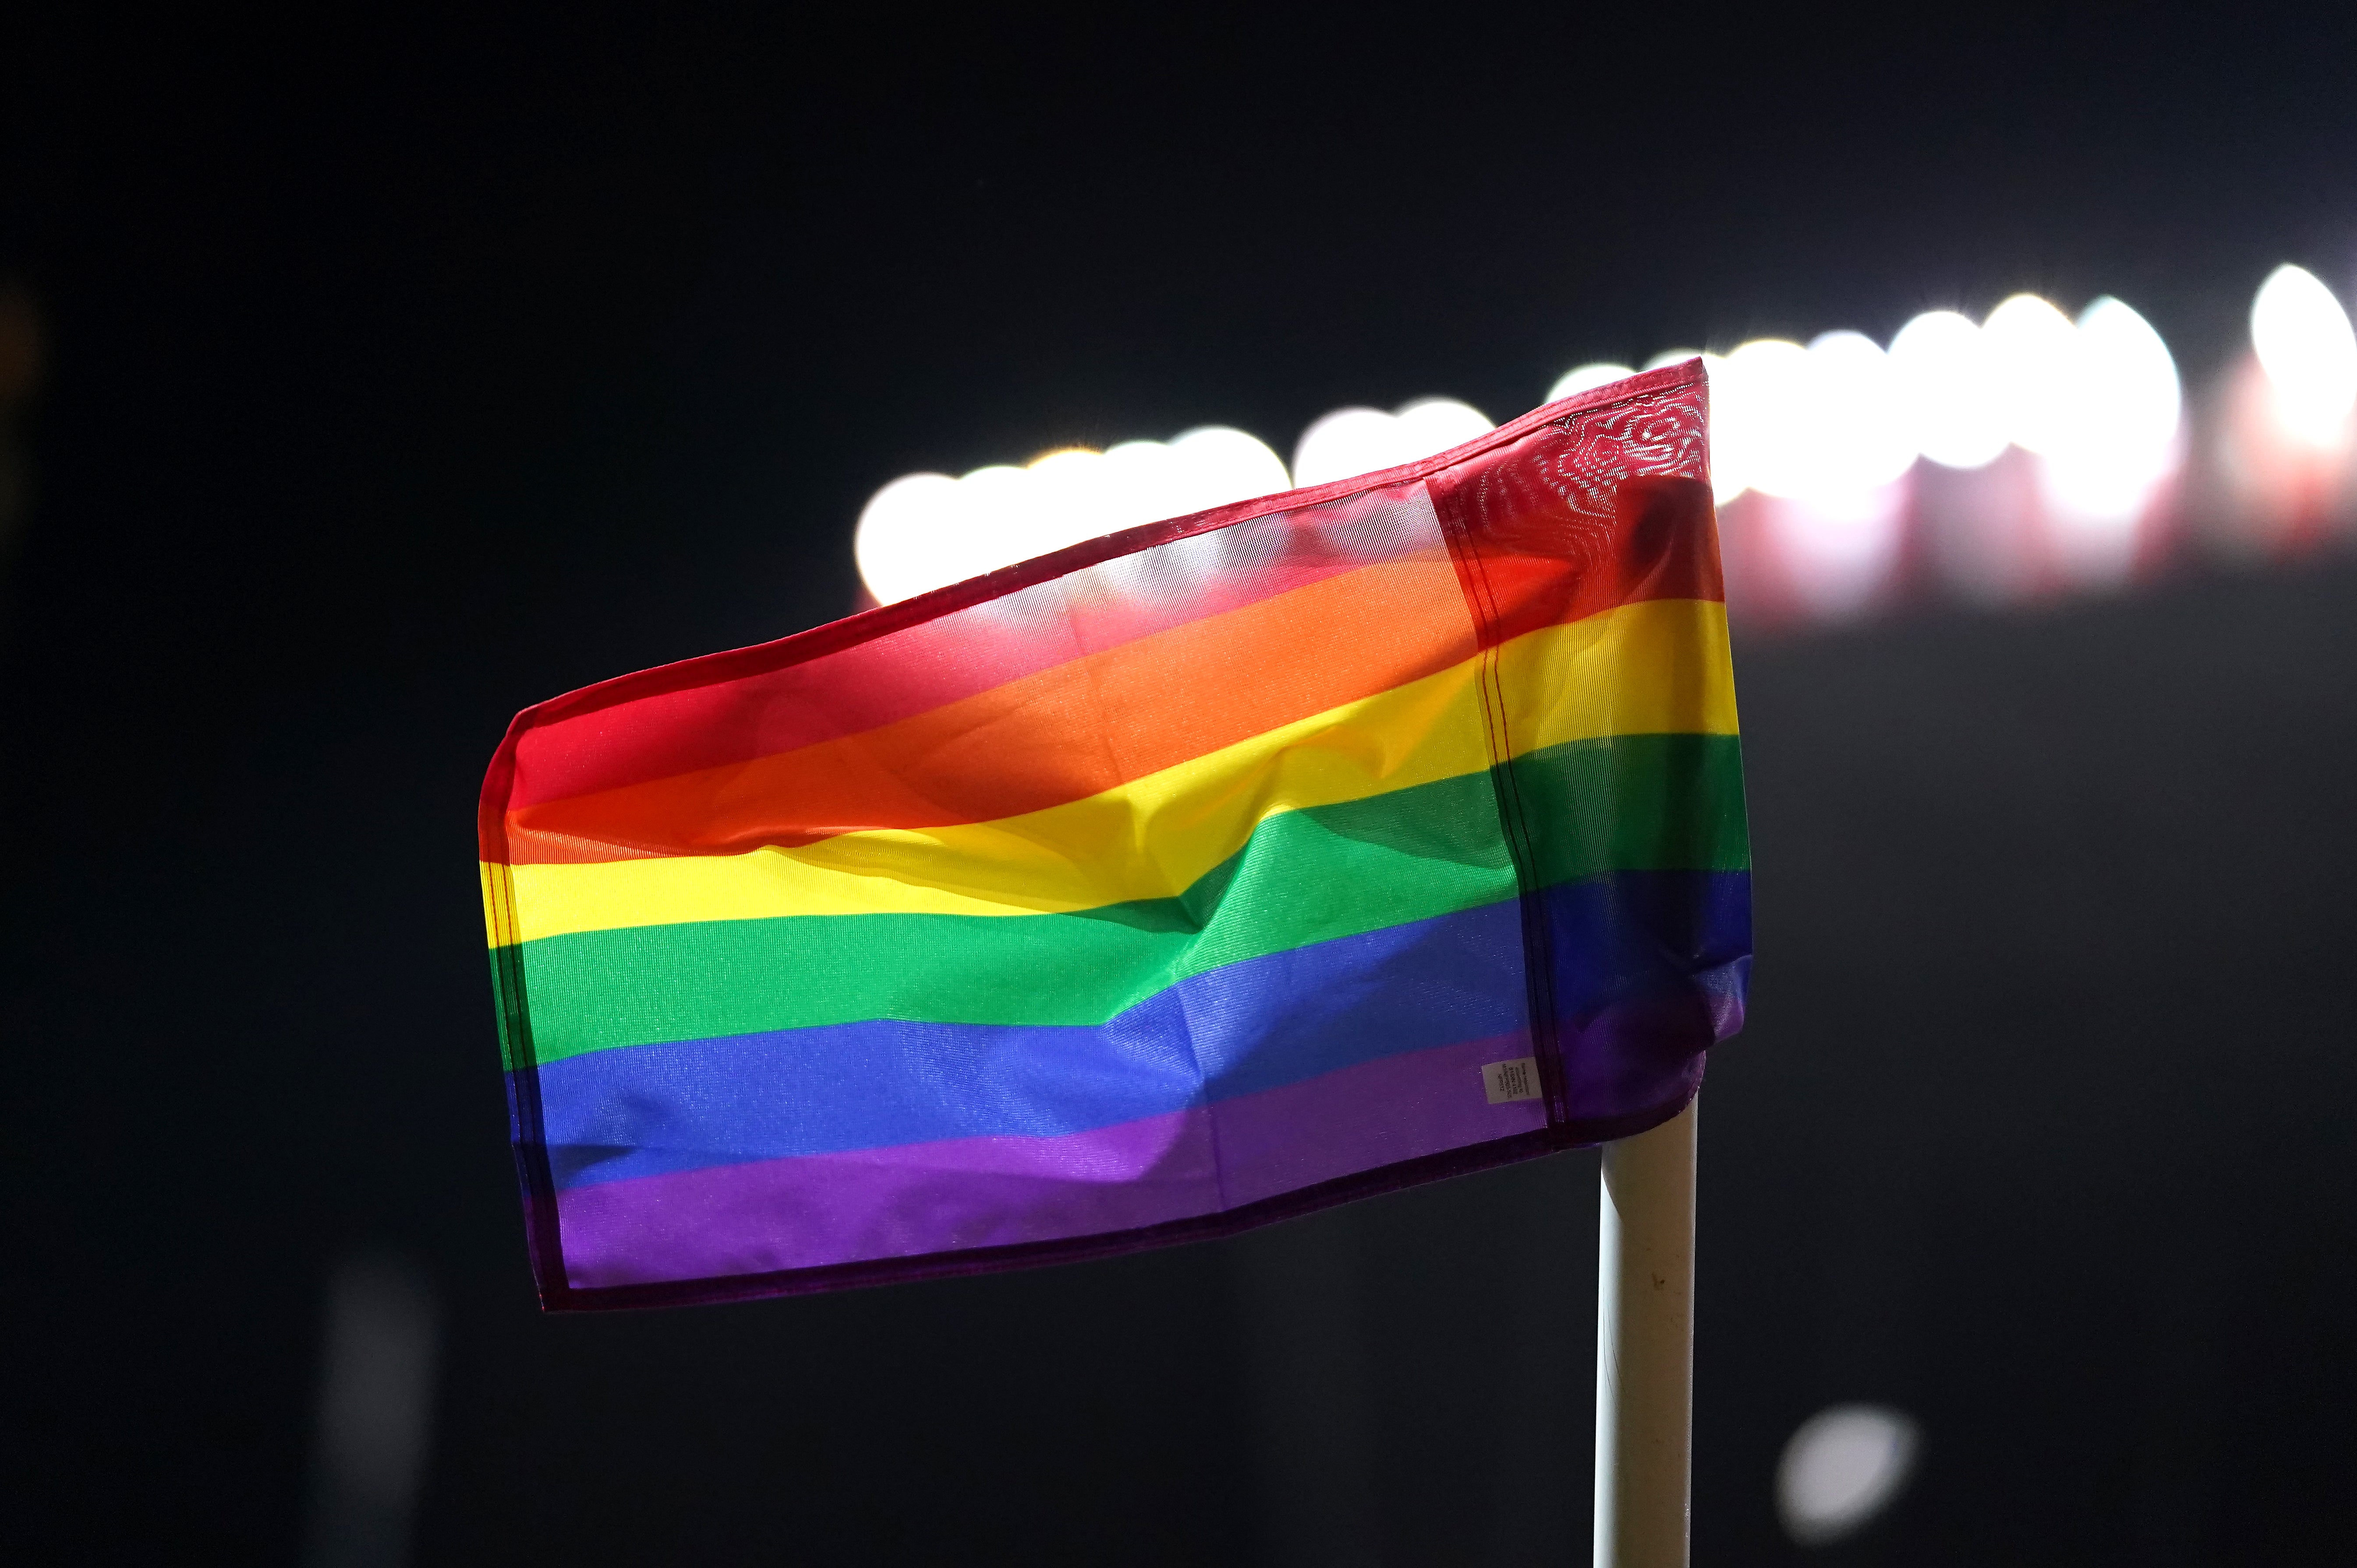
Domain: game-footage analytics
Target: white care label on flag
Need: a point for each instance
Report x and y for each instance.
(1507, 1081)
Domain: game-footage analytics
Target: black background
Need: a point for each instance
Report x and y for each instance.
(399, 376)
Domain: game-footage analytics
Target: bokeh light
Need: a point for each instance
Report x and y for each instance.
(923, 531)
(1844, 1466)
(1858, 439)
(1818, 425)
(2034, 357)
(2310, 353)
(2100, 476)
(1581, 377)
(904, 533)
(1353, 441)
(1827, 447)
(1759, 425)
(1820, 444)
(1347, 441)
(1217, 465)
(1945, 386)
(1433, 425)
(993, 521)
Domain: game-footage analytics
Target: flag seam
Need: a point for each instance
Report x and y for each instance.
(1480, 603)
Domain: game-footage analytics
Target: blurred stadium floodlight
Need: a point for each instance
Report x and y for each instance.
(2033, 352)
(1844, 1466)
(2287, 455)
(1679, 357)
(1351, 441)
(1945, 383)
(2027, 453)
(1597, 373)
(2122, 444)
(1819, 450)
(1755, 427)
(924, 531)
(2306, 346)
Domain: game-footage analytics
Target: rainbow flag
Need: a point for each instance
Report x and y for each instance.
(1185, 879)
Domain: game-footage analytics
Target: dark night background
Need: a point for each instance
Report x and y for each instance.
(396, 377)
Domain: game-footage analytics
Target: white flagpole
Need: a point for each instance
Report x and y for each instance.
(1644, 1347)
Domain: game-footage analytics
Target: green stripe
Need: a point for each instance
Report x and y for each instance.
(1630, 803)
(507, 993)
(1636, 802)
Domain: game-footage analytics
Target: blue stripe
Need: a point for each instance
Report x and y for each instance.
(1636, 939)
(1256, 1025)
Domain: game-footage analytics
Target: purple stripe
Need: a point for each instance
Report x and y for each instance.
(958, 1194)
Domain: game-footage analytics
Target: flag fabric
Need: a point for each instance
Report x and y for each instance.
(1188, 878)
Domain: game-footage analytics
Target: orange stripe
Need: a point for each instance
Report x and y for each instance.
(1064, 734)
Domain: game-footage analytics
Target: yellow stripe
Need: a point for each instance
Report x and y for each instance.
(1656, 667)
(498, 904)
